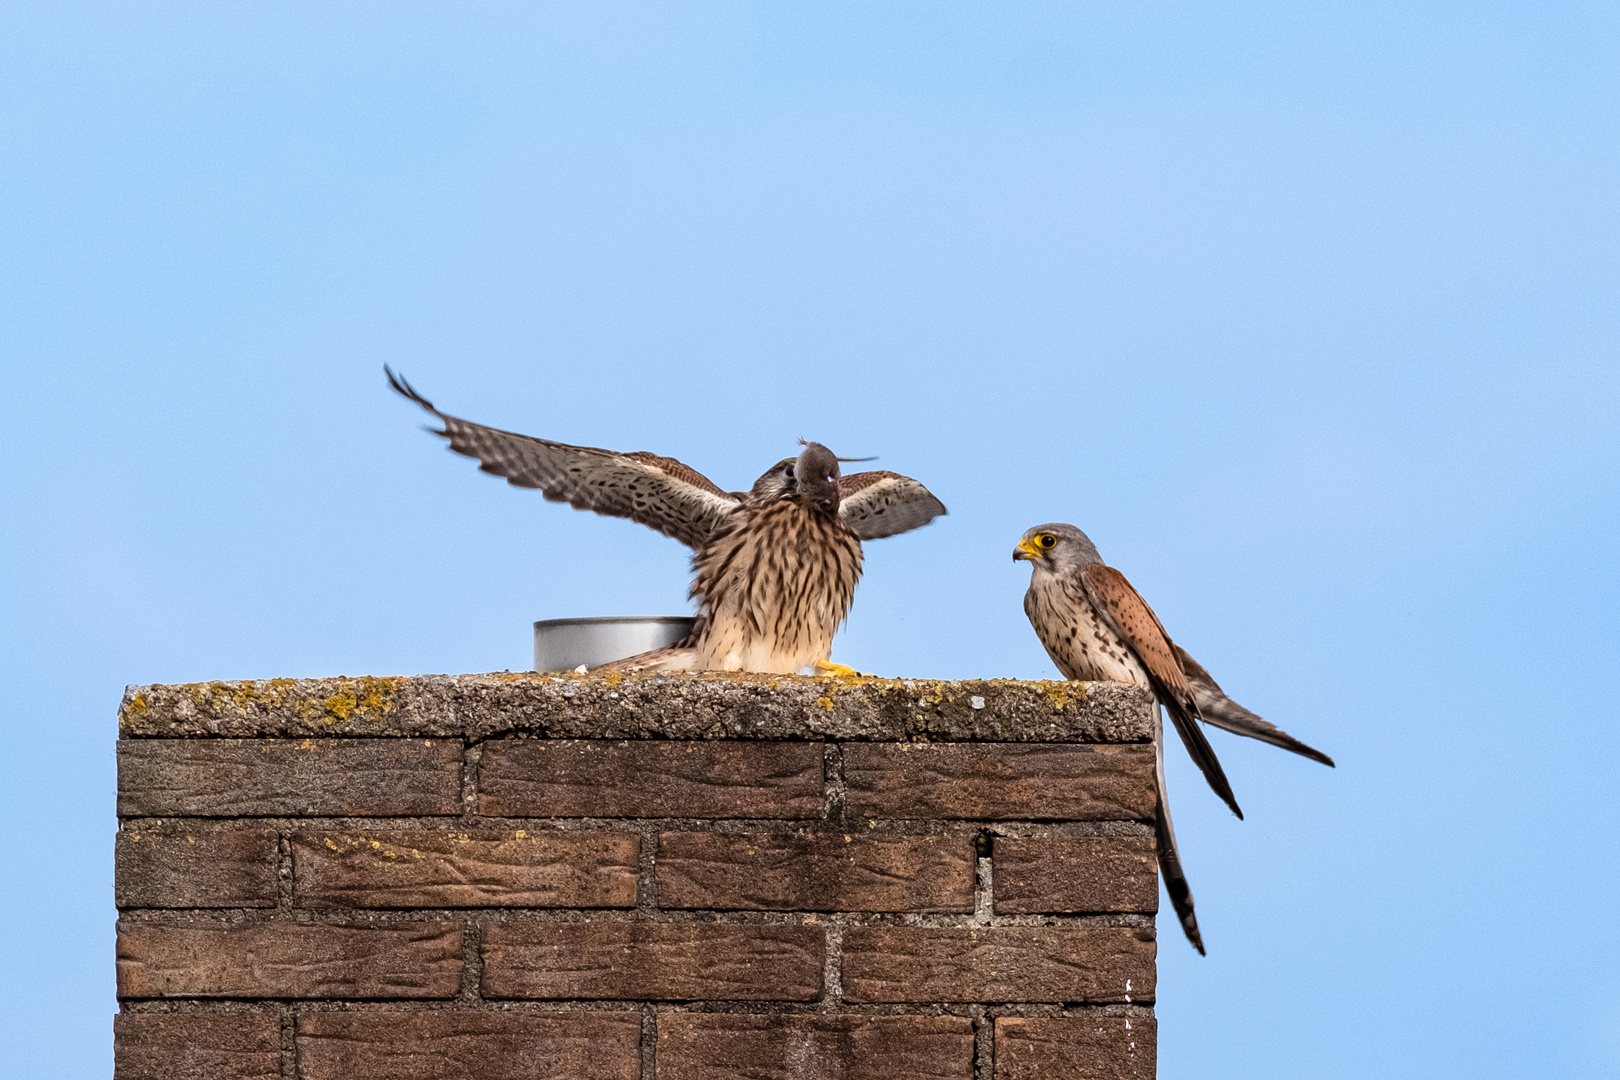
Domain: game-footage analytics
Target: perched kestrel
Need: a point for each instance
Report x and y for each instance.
(1094, 625)
(774, 568)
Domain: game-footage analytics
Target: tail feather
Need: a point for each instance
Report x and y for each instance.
(669, 658)
(1175, 878)
(1214, 707)
(681, 656)
(1203, 754)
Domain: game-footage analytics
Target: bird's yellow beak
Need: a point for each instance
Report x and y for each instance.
(1027, 551)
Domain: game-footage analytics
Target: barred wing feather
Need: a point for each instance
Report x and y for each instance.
(880, 503)
(659, 492)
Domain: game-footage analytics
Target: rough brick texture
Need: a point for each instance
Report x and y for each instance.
(666, 877)
(226, 868)
(654, 961)
(1059, 1048)
(841, 872)
(999, 963)
(590, 778)
(1071, 874)
(729, 1046)
(444, 1044)
(258, 778)
(197, 1046)
(425, 868)
(288, 960)
(1000, 781)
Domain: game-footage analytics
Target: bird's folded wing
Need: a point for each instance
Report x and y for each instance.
(1129, 616)
(1214, 707)
(879, 503)
(658, 492)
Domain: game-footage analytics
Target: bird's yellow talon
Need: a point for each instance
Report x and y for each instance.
(827, 667)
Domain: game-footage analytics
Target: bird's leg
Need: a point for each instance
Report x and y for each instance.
(827, 667)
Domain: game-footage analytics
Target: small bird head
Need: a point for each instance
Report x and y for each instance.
(1056, 548)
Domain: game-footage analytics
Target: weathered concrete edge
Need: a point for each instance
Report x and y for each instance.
(709, 705)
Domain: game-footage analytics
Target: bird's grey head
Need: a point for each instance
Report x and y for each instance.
(815, 475)
(1055, 548)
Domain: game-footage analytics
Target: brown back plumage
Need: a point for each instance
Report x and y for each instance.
(1136, 624)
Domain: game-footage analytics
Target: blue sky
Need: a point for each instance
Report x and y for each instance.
(1306, 313)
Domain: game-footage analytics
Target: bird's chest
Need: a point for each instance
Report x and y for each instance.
(1079, 641)
(784, 572)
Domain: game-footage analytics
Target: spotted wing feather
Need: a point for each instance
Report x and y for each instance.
(656, 491)
(880, 503)
(1130, 617)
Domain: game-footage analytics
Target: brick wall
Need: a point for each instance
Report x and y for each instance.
(659, 878)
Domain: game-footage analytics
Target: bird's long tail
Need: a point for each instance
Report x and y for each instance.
(1214, 707)
(681, 656)
(1175, 879)
(669, 658)
(1198, 748)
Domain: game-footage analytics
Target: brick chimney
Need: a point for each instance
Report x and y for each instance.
(666, 877)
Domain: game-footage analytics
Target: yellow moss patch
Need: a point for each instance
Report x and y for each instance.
(340, 706)
(365, 698)
(1063, 694)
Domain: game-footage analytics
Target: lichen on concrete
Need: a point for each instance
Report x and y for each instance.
(707, 705)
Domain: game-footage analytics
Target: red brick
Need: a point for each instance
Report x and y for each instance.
(227, 868)
(288, 960)
(443, 1043)
(274, 777)
(1062, 1048)
(1000, 781)
(829, 872)
(423, 868)
(650, 778)
(1076, 874)
(1004, 963)
(732, 1046)
(197, 1046)
(654, 961)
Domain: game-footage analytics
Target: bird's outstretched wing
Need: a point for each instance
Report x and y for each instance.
(879, 503)
(1129, 616)
(658, 492)
(1214, 707)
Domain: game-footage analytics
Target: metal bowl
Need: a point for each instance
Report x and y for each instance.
(565, 644)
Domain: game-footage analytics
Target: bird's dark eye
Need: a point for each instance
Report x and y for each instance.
(789, 472)
(1047, 541)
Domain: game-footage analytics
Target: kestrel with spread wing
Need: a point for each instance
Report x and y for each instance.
(774, 568)
(1095, 625)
